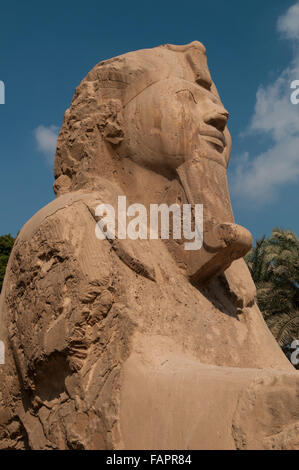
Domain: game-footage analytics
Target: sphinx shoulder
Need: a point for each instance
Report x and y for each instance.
(64, 233)
(58, 207)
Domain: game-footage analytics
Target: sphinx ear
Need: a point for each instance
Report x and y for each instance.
(110, 122)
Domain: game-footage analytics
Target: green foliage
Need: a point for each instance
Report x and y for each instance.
(274, 266)
(6, 244)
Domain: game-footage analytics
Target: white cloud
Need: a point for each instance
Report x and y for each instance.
(288, 24)
(274, 113)
(46, 138)
(259, 178)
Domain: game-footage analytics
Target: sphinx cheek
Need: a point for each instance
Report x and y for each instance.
(177, 131)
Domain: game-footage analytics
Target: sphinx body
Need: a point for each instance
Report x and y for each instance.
(129, 344)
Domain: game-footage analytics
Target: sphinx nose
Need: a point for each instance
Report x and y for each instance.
(217, 120)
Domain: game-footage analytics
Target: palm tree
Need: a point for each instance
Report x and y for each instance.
(274, 266)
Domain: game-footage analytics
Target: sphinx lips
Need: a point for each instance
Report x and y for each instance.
(215, 142)
(216, 138)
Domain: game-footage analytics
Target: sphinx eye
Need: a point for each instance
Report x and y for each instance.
(204, 83)
(186, 95)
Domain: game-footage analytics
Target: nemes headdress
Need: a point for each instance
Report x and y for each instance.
(130, 74)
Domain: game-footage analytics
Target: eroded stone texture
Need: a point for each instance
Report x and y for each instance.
(140, 344)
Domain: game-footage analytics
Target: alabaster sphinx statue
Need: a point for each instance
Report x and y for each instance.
(140, 344)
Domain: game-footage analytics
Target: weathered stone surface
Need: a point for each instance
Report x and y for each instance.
(139, 344)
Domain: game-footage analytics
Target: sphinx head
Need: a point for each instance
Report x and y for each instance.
(157, 107)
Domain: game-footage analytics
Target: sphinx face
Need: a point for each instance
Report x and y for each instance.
(180, 127)
(173, 121)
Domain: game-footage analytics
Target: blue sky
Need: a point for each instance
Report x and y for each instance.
(253, 54)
